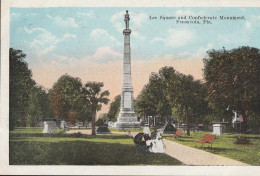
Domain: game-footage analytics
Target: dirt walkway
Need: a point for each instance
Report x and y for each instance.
(193, 156)
(83, 131)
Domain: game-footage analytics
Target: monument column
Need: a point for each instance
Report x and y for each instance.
(127, 117)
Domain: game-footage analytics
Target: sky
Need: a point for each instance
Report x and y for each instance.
(88, 42)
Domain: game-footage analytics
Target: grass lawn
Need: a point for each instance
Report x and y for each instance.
(126, 129)
(29, 146)
(224, 145)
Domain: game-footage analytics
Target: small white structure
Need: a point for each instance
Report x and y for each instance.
(63, 124)
(49, 127)
(237, 119)
(217, 129)
(146, 130)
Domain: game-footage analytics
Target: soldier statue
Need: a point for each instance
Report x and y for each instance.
(127, 20)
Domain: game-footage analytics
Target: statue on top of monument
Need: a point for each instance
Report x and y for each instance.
(127, 20)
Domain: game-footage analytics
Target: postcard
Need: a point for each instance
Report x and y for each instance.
(130, 88)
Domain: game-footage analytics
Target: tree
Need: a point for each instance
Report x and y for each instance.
(38, 105)
(93, 93)
(152, 100)
(56, 101)
(83, 110)
(183, 93)
(233, 80)
(72, 117)
(20, 85)
(65, 96)
(159, 93)
(114, 108)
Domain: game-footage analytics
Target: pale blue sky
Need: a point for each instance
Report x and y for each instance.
(78, 32)
(88, 42)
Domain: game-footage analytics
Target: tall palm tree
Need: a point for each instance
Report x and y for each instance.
(92, 91)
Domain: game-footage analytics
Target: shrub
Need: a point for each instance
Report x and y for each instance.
(242, 140)
(77, 135)
(100, 122)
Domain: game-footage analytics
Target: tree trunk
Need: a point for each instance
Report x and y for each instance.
(93, 120)
(245, 122)
(23, 120)
(187, 120)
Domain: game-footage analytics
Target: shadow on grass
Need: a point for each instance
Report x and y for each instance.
(216, 149)
(62, 135)
(82, 153)
(251, 137)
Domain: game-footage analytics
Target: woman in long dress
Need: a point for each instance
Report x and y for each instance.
(156, 143)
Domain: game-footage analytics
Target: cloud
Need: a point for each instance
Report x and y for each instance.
(45, 38)
(15, 15)
(45, 41)
(175, 38)
(117, 20)
(30, 14)
(255, 19)
(201, 52)
(158, 39)
(106, 54)
(184, 12)
(248, 25)
(136, 22)
(89, 14)
(243, 9)
(138, 19)
(103, 35)
(66, 36)
(68, 22)
(33, 30)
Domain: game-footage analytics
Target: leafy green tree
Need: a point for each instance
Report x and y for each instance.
(93, 93)
(144, 103)
(83, 110)
(56, 101)
(114, 108)
(159, 95)
(100, 122)
(65, 96)
(38, 105)
(20, 85)
(72, 117)
(184, 93)
(152, 100)
(233, 80)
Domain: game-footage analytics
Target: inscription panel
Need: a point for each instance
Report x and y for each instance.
(127, 100)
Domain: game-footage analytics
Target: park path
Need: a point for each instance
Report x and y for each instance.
(192, 156)
(187, 155)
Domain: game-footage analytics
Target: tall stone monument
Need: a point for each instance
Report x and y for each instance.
(127, 117)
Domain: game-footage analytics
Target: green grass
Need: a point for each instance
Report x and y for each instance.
(224, 145)
(29, 146)
(126, 129)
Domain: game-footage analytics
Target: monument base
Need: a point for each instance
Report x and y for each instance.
(127, 124)
(127, 120)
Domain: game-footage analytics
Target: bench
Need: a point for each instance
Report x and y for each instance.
(207, 138)
(177, 134)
